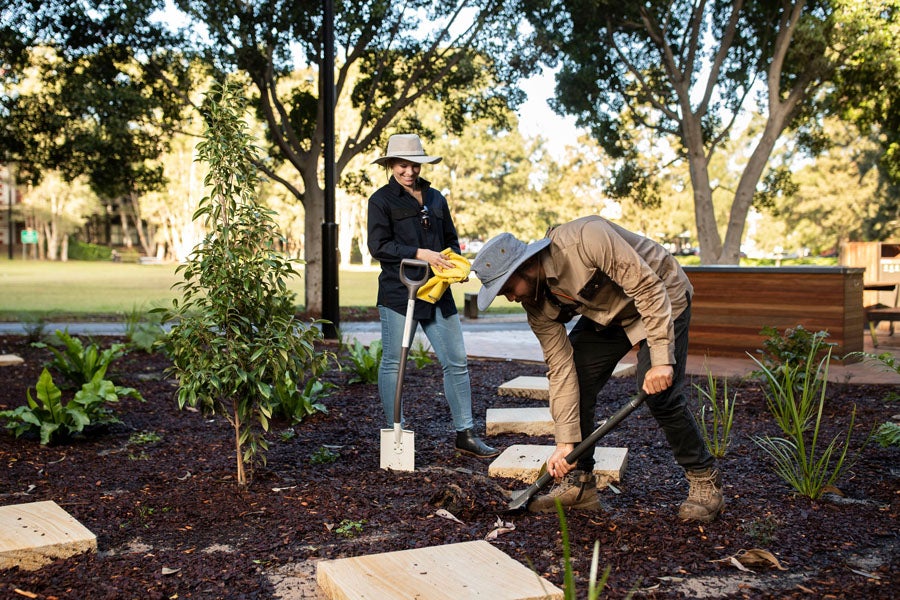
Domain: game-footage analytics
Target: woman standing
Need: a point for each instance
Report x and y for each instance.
(410, 219)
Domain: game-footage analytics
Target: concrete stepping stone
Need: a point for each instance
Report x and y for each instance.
(524, 462)
(9, 360)
(527, 420)
(37, 533)
(538, 388)
(449, 572)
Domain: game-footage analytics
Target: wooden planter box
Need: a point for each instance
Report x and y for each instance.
(732, 304)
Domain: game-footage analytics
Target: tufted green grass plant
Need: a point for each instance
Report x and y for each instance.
(716, 424)
(795, 395)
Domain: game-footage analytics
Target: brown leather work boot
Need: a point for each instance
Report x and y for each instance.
(704, 501)
(576, 490)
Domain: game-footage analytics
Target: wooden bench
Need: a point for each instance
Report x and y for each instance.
(878, 313)
(731, 306)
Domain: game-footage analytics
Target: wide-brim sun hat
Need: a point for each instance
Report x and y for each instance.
(406, 146)
(497, 260)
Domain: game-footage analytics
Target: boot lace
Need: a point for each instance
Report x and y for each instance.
(702, 487)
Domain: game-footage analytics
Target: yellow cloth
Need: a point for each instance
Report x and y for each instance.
(432, 290)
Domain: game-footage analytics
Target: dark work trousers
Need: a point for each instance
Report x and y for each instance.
(598, 349)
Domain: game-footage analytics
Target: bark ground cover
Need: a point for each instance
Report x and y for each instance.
(159, 492)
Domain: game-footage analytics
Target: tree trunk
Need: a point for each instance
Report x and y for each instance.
(312, 246)
(143, 235)
(704, 210)
(126, 235)
(752, 174)
(241, 474)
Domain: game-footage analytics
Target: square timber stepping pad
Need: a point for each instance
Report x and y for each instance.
(524, 462)
(34, 534)
(538, 388)
(527, 420)
(450, 572)
(9, 360)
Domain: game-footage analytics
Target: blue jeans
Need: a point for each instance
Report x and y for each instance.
(446, 339)
(599, 349)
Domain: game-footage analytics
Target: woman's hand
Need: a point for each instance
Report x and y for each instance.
(436, 260)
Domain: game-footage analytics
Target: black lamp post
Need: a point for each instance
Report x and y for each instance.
(330, 295)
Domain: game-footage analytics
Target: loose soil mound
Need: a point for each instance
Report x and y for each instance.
(171, 522)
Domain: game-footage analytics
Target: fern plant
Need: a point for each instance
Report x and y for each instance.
(78, 363)
(53, 419)
(364, 361)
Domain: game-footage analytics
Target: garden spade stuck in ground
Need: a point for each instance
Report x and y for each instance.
(398, 444)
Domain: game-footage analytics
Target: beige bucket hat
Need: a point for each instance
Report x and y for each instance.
(497, 260)
(406, 146)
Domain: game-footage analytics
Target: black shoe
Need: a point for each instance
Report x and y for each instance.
(467, 443)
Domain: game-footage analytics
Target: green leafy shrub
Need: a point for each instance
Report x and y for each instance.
(364, 361)
(323, 455)
(792, 349)
(717, 427)
(348, 528)
(79, 250)
(144, 329)
(795, 396)
(79, 363)
(33, 325)
(296, 404)
(235, 339)
(888, 434)
(51, 418)
(420, 355)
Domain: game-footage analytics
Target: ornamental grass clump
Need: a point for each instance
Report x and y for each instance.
(236, 346)
(716, 415)
(795, 395)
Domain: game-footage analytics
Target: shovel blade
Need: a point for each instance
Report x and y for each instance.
(520, 500)
(398, 452)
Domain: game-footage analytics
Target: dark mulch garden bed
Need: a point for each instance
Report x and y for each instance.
(171, 522)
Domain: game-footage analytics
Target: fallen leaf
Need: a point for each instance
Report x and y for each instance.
(830, 489)
(26, 594)
(446, 514)
(864, 574)
(613, 488)
(168, 571)
(276, 490)
(500, 527)
(754, 557)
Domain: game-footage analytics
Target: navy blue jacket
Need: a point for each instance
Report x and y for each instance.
(396, 232)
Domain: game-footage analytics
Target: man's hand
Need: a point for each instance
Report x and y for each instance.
(658, 379)
(556, 464)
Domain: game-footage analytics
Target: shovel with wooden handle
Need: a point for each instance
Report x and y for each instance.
(521, 499)
(398, 445)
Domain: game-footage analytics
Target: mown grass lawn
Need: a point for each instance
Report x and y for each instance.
(32, 289)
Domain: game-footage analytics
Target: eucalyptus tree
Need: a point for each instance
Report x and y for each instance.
(463, 54)
(689, 70)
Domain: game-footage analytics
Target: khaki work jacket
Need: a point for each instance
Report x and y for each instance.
(613, 277)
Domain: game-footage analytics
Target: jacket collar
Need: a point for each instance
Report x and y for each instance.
(398, 190)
